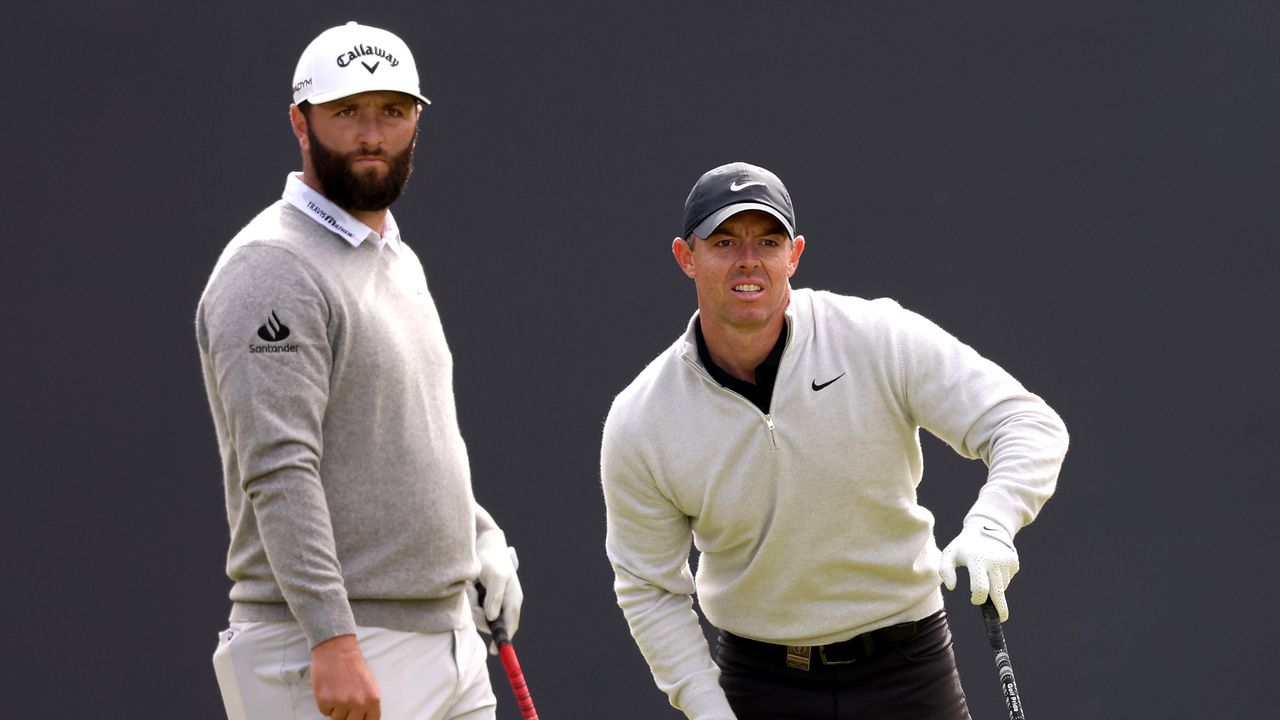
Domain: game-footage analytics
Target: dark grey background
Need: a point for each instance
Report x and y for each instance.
(1083, 191)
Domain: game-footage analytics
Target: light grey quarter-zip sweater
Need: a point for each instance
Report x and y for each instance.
(806, 519)
(348, 487)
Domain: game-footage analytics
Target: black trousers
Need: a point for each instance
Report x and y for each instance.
(913, 680)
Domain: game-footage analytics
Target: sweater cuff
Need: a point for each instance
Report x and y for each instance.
(321, 621)
(706, 703)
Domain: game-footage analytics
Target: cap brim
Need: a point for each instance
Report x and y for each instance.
(332, 95)
(708, 226)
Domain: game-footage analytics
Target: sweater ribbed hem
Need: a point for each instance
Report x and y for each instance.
(425, 616)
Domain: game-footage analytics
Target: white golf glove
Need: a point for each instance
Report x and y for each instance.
(987, 550)
(503, 594)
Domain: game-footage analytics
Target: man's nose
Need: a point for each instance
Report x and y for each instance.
(371, 132)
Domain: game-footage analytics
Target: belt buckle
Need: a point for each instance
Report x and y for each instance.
(798, 656)
(822, 653)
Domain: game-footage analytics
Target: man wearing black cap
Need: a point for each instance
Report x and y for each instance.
(355, 538)
(779, 435)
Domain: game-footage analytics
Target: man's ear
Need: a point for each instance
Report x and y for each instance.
(797, 249)
(683, 252)
(299, 123)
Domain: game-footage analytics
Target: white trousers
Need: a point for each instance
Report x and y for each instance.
(264, 671)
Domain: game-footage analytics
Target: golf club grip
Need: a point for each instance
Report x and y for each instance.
(510, 663)
(515, 676)
(995, 634)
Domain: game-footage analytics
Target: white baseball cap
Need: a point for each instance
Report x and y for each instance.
(351, 59)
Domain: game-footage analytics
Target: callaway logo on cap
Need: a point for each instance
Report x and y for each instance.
(730, 189)
(351, 59)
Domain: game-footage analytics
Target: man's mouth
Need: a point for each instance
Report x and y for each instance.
(747, 288)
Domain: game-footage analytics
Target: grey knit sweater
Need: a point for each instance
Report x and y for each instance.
(348, 487)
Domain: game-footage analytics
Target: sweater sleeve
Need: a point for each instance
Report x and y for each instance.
(264, 331)
(981, 411)
(648, 541)
(487, 530)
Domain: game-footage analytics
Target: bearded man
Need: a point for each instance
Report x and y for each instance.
(354, 533)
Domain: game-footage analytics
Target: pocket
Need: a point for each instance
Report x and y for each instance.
(931, 643)
(729, 656)
(224, 671)
(222, 653)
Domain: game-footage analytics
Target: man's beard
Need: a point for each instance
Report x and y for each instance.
(365, 192)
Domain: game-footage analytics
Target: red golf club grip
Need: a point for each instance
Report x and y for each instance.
(516, 677)
(510, 663)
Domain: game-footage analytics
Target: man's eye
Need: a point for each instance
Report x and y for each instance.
(726, 242)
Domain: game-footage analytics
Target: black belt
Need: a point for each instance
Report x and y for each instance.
(858, 647)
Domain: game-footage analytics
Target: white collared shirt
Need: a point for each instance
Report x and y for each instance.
(338, 221)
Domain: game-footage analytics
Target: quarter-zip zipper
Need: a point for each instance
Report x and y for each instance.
(768, 417)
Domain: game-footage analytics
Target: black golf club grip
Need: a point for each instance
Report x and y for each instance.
(995, 634)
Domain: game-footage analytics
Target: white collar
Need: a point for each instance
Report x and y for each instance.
(338, 221)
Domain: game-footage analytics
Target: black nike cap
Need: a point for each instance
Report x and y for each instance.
(733, 188)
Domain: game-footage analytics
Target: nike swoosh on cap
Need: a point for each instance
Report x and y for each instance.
(735, 187)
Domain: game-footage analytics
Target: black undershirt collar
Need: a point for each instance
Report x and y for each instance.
(759, 393)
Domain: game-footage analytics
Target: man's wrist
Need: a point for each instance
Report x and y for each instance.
(337, 645)
(991, 529)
